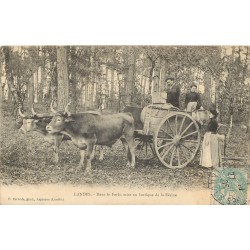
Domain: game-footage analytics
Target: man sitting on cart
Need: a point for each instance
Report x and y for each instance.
(173, 92)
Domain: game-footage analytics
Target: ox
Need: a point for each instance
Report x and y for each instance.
(87, 130)
(136, 113)
(38, 122)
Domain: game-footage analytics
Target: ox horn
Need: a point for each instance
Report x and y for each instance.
(20, 113)
(52, 109)
(33, 111)
(66, 110)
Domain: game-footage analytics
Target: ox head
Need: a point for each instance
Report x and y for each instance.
(59, 120)
(30, 121)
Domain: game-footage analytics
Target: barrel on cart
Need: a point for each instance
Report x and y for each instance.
(168, 133)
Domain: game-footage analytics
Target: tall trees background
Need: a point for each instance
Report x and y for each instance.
(110, 77)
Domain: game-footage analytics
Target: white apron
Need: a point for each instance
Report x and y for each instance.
(191, 106)
(211, 150)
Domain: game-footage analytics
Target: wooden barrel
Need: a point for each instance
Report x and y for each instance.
(152, 115)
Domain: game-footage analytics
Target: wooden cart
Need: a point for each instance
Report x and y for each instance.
(168, 133)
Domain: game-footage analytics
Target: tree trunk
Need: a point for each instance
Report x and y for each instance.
(43, 76)
(98, 92)
(92, 78)
(86, 103)
(52, 65)
(10, 80)
(31, 90)
(112, 92)
(207, 90)
(119, 92)
(62, 78)
(162, 75)
(151, 72)
(1, 87)
(73, 79)
(91, 90)
(144, 87)
(156, 77)
(130, 78)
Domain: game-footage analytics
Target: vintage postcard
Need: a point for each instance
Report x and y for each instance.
(125, 125)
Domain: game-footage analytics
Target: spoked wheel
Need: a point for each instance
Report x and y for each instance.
(144, 148)
(177, 140)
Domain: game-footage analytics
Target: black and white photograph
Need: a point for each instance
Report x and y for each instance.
(122, 122)
(125, 124)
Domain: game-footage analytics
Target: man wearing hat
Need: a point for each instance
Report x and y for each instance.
(173, 92)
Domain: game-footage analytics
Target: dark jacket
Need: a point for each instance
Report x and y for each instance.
(193, 97)
(173, 96)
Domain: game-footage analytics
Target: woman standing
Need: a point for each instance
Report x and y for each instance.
(211, 149)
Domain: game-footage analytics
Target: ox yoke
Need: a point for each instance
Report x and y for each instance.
(41, 128)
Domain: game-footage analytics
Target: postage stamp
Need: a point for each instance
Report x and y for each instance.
(230, 187)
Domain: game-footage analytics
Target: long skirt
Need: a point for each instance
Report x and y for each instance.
(211, 150)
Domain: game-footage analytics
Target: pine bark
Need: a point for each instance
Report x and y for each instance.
(62, 78)
(31, 90)
(130, 78)
(73, 80)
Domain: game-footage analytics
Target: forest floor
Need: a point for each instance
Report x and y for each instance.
(27, 159)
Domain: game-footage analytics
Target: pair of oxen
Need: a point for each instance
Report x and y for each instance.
(85, 130)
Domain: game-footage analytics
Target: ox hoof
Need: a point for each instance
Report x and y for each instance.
(130, 166)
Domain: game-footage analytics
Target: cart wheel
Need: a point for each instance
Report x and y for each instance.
(144, 149)
(177, 140)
